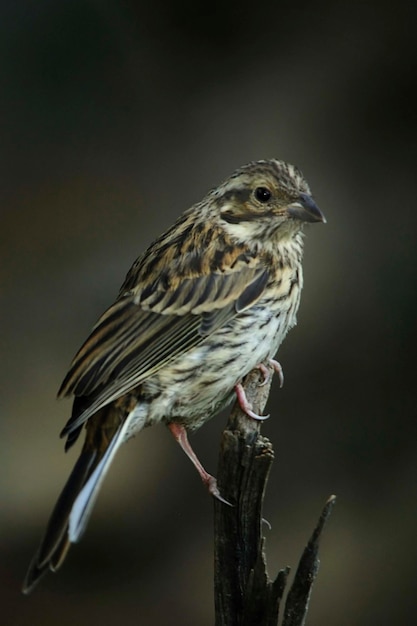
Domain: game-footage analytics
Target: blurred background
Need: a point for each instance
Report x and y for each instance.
(115, 117)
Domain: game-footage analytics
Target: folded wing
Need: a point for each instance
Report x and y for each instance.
(147, 328)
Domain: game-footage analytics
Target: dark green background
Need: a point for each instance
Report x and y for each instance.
(116, 116)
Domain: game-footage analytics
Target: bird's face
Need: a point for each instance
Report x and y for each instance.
(265, 201)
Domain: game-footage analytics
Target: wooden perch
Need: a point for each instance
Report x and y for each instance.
(244, 593)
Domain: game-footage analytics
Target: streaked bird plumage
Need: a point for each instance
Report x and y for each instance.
(208, 301)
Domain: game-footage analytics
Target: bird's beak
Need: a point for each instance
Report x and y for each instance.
(305, 209)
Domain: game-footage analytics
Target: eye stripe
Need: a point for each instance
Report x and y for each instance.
(237, 218)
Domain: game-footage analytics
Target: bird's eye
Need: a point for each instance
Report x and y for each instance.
(262, 194)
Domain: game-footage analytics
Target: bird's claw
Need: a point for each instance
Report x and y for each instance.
(266, 372)
(211, 483)
(255, 416)
(245, 405)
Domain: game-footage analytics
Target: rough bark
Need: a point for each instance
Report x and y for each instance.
(244, 593)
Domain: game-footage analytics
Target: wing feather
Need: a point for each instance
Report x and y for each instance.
(139, 335)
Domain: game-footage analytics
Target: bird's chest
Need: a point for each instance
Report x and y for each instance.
(198, 383)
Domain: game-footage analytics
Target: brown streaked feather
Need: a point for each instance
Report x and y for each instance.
(142, 332)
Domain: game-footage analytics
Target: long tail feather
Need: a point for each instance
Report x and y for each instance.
(75, 504)
(86, 499)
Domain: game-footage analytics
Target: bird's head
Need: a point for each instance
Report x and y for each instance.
(265, 201)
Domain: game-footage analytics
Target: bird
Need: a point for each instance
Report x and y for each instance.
(210, 300)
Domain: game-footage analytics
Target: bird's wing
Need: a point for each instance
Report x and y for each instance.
(144, 330)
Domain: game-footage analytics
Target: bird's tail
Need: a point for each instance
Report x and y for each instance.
(75, 504)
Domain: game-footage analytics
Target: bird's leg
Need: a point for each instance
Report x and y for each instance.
(180, 435)
(245, 404)
(277, 367)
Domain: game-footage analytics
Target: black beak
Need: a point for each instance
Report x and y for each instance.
(306, 210)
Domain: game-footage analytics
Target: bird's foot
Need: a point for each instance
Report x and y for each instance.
(245, 404)
(266, 372)
(211, 484)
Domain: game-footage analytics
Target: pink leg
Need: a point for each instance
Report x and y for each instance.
(267, 374)
(180, 435)
(245, 405)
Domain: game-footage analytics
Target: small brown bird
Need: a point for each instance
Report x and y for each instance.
(209, 301)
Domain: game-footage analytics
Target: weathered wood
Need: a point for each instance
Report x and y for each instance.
(296, 605)
(244, 593)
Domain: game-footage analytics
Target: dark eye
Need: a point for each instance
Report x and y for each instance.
(262, 194)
